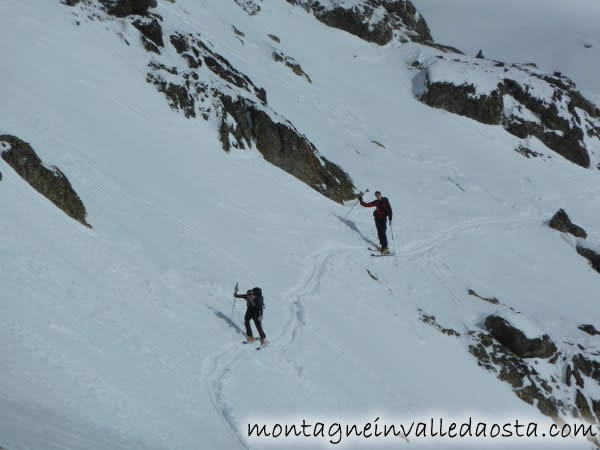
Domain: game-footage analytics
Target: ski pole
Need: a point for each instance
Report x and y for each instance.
(235, 291)
(357, 202)
(394, 241)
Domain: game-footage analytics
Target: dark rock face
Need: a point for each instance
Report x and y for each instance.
(589, 329)
(525, 102)
(462, 100)
(591, 256)
(195, 51)
(516, 341)
(561, 222)
(534, 388)
(124, 8)
(400, 16)
(245, 117)
(211, 87)
(492, 300)
(431, 320)
(584, 408)
(190, 95)
(528, 153)
(249, 6)
(292, 64)
(151, 32)
(570, 144)
(589, 367)
(532, 380)
(525, 381)
(52, 184)
(178, 96)
(284, 147)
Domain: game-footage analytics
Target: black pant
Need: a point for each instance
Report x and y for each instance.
(256, 315)
(381, 228)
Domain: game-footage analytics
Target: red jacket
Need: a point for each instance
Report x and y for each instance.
(383, 208)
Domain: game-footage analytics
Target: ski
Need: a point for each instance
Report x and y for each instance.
(379, 254)
(254, 342)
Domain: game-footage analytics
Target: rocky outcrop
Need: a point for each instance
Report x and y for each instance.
(50, 182)
(377, 21)
(178, 96)
(587, 366)
(516, 341)
(245, 118)
(462, 100)
(528, 153)
(245, 123)
(526, 382)
(124, 8)
(554, 130)
(556, 398)
(506, 351)
(205, 84)
(525, 101)
(492, 300)
(251, 7)
(292, 64)
(561, 222)
(592, 256)
(430, 319)
(589, 329)
(195, 52)
(152, 36)
(140, 17)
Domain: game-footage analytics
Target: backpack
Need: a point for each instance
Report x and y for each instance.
(384, 206)
(258, 301)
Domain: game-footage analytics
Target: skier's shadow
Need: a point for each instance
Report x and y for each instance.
(230, 322)
(354, 228)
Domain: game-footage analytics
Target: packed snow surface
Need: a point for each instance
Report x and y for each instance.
(123, 336)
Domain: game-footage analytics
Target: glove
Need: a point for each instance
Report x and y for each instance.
(390, 219)
(360, 198)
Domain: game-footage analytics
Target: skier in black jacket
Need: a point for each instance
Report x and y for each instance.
(254, 311)
(383, 209)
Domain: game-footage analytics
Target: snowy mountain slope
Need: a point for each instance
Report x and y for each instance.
(555, 35)
(120, 333)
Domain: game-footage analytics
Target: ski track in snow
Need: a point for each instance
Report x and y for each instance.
(220, 366)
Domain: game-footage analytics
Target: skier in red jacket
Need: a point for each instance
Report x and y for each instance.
(383, 210)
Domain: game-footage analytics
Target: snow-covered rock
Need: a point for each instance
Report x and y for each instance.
(524, 100)
(50, 182)
(379, 21)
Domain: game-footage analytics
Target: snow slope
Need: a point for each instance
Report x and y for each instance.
(120, 336)
(556, 35)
